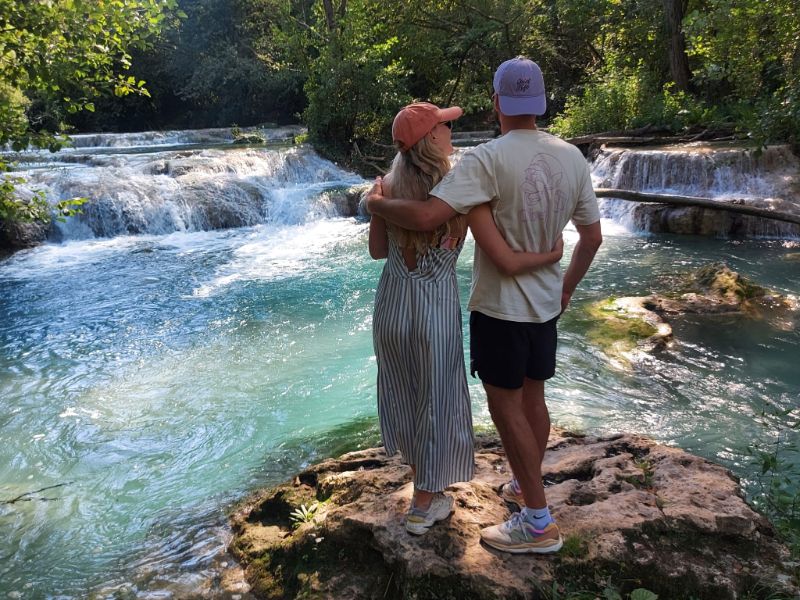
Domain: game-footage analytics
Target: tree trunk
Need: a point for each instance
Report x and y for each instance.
(330, 14)
(726, 205)
(678, 61)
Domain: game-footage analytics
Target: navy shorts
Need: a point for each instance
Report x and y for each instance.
(503, 353)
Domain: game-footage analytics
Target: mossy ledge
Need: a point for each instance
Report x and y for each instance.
(635, 514)
(626, 328)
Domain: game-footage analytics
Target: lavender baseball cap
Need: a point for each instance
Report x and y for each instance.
(519, 85)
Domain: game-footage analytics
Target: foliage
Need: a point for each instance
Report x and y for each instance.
(225, 67)
(56, 58)
(304, 514)
(71, 53)
(604, 591)
(778, 484)
(747, 53)
(628, 99)
(34, 206)
(779, 114)
(744, 57)
(575, 546)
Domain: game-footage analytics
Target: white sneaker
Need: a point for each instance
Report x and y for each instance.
(518, 536)
(510, 492)
(419, 521)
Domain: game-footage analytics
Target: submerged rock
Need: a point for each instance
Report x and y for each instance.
(347, 201)
(634, 514)
(627, 328)
(249, 138)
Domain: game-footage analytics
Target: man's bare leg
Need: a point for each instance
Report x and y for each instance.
(536, 413)
(519, 439)
(532, 529)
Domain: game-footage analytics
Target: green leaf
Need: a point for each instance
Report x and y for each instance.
(611, 594)
(643, 594)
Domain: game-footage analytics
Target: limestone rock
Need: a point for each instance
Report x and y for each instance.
(16, 235)
(630, 327)
(347, 202)
(632, 512)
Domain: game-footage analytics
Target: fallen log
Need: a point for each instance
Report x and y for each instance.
(736, 205)
(599, 140)
(649, 135)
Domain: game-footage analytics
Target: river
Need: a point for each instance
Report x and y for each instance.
(154, 370)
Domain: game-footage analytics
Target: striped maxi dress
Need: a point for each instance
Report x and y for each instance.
(423, 398)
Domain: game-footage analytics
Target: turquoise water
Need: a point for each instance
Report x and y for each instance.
(158, 379)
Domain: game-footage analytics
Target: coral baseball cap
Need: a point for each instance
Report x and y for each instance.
(519, 86)
(417, 120)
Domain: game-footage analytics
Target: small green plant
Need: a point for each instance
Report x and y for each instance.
(575, 546)
(645, 480)
(777, 485)
(647, 471)
(13, 208)
(610, 591)
(304, 514)
(643, 594)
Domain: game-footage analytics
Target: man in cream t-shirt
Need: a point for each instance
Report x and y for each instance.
(535, 184)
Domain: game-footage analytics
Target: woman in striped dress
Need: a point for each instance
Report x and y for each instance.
(423, 399)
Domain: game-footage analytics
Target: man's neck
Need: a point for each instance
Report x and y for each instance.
(512, 123)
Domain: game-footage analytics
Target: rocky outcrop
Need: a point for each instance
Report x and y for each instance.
(634, 514)
(662, 218)
(16, 235)
(625, 328)
(347, 202)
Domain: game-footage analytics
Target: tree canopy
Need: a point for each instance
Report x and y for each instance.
(608, 64)
(56, 59)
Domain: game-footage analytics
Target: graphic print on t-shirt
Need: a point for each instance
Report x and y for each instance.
(542, 191)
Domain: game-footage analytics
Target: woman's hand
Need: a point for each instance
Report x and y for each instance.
(558, 249)
(375, 193)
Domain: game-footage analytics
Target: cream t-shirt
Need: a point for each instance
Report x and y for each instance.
(536, 184)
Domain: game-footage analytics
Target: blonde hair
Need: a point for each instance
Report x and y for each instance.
(413, 175)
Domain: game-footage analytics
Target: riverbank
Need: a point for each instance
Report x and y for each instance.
(634, 514)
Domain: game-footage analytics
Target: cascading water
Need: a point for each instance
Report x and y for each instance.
(149, 381)
(154, 139)
(766, 179)
(160, 192)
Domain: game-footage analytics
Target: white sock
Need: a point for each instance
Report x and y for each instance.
(538, 517)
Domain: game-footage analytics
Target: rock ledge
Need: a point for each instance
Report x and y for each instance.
(633, 513)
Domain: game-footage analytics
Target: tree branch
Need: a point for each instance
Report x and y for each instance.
(24, 496)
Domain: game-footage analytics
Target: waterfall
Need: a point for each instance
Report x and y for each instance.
(149, 139)
(160, 191)
(766, 179)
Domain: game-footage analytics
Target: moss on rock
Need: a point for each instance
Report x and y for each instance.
(718, 280)
(625, 327)
(616, 326)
